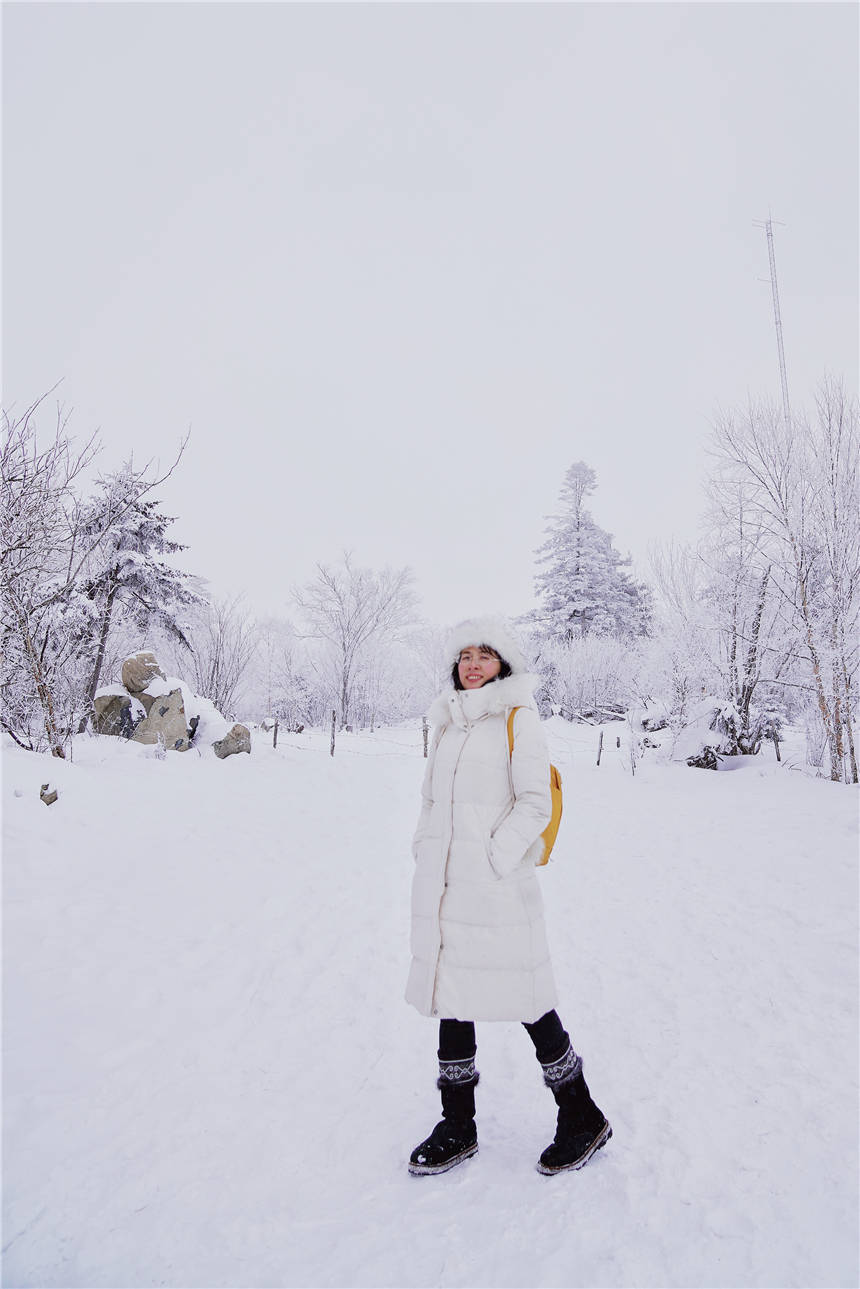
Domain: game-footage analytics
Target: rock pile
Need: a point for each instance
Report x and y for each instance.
(148, 707)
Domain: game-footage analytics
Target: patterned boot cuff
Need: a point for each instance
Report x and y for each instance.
(452, 1073)
(562, 1071)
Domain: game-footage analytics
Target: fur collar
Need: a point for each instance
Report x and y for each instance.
(459, 706)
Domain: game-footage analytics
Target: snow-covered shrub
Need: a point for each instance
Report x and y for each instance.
(588, 679)
(653, 715)
(715, 730)
(699, 741)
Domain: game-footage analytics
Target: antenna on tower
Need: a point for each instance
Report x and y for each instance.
(767, 225)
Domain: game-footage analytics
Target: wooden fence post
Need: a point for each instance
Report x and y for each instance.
(776, 745)
(333, 717)
(275, 735)
(599, 747)
(424, 732)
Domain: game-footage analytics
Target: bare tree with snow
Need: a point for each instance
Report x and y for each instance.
(42, 555)
(800, 482)
(834, 449)
(352, 609)
(222, 639)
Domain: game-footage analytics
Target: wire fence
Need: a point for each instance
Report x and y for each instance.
(576, 742)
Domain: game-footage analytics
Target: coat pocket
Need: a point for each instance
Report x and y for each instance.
(497, 823)
(498, 873)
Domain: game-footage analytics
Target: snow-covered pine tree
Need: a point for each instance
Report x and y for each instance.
(584, 587)
(126, 576)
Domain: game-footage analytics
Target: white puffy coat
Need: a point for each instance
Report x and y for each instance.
(479, 949)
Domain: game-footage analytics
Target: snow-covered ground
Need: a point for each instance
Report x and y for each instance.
(211, 1078)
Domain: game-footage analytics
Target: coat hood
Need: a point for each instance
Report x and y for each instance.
(488, 630)
(496, 697)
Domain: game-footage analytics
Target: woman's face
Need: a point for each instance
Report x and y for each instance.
(476, 666)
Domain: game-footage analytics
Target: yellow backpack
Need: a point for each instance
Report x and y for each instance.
(549, 833)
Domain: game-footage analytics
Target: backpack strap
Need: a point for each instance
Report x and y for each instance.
(511, 716)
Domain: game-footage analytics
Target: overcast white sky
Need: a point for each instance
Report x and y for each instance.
(399, 265)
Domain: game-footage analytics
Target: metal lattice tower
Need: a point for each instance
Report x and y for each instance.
(768, 227)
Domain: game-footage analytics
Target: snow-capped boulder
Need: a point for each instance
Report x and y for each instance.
(208, 723)
(165, 723)
(237, 740)
(139, 670)
(158, 687)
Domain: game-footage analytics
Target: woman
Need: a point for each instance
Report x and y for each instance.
(479, 949)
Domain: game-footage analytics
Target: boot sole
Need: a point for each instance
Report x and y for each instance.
(599, 1142)
(427, 1170)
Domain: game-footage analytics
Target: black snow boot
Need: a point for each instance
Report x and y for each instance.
(582, 1128)
(455, 1137)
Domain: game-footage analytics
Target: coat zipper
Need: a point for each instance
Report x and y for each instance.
(445, 871)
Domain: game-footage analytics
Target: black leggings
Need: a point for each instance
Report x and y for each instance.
(457, 1039)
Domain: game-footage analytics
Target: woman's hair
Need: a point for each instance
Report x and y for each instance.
(505, 669)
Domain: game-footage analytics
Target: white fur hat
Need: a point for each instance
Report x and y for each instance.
(488, 630)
